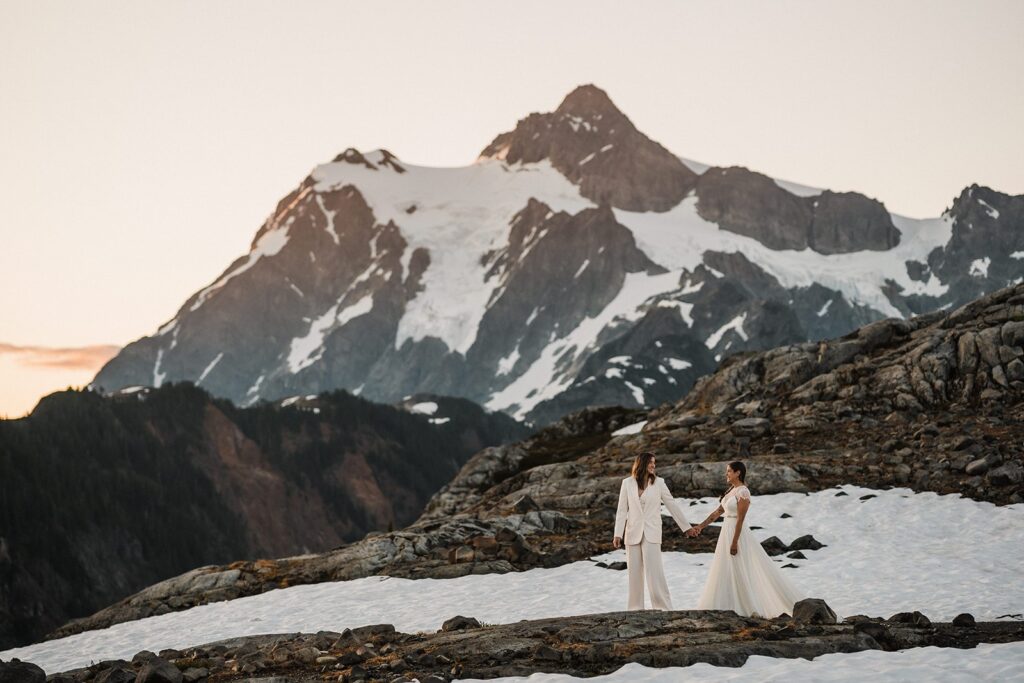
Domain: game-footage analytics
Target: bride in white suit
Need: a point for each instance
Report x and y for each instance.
(638, 522)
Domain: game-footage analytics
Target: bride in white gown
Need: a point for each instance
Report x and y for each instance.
(742, 577)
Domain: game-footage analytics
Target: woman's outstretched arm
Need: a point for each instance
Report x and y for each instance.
(677, 512)
(715, 514)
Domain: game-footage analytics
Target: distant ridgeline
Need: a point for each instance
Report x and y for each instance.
(101, 496)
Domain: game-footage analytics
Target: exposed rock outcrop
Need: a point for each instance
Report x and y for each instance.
(752, 204)
(578, 646)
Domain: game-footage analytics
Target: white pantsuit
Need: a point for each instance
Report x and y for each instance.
(638, 523)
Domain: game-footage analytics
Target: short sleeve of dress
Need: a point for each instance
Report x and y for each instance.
(743, 492)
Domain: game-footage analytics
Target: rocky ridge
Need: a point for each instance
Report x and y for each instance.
(578, 646)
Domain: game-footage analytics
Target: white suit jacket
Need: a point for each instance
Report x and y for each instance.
(636, 519)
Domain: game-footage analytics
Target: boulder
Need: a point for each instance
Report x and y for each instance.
(17, 671)
(915, 618)
(1009, 474)
(460, 623)
(751, 426)
(116, 674)
(194, 674)
(979, 466)
(964, 620)
(813, 611)
(158, 670)
(774, 545)
(807, 542)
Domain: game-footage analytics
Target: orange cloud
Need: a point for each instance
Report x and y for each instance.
(76, 358)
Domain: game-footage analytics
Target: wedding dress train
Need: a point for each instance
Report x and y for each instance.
(749, 582)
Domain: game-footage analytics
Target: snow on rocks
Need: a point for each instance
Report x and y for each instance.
(678, 238)
(461, 214)
(634, 428)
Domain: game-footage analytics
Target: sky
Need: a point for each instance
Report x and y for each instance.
(142, 144)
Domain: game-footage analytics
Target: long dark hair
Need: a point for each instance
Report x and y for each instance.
(640, 469)
(736, 466)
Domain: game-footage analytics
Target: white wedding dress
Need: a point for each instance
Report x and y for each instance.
(749, 582)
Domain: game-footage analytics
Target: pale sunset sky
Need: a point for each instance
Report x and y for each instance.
(143, 143)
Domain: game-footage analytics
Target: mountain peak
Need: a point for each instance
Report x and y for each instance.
(588, 101)
(595, 146)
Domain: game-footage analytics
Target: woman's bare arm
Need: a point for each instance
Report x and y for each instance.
(718, 512)
(742, 505)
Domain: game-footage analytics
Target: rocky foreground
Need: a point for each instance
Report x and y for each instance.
(933, 404)
(581, 646)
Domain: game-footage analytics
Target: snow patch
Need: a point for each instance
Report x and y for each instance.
(158, 377)
(210, 367)
(506, 364)
(685, 309)
(979, 267)
(989, 209)
(252, 395)
(556, 367)
(634, 428)
(425, 408)
(735, 324)
(638, 393)
(329, 215)
(308, 349)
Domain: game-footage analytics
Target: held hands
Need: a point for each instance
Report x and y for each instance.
(692, 532)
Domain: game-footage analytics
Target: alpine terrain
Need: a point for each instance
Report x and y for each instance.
(577, 262)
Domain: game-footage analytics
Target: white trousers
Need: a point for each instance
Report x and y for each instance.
(643, 561)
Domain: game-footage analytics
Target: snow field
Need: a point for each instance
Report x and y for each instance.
(897, 551)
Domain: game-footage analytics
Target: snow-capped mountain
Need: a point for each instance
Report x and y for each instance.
(576, 262)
